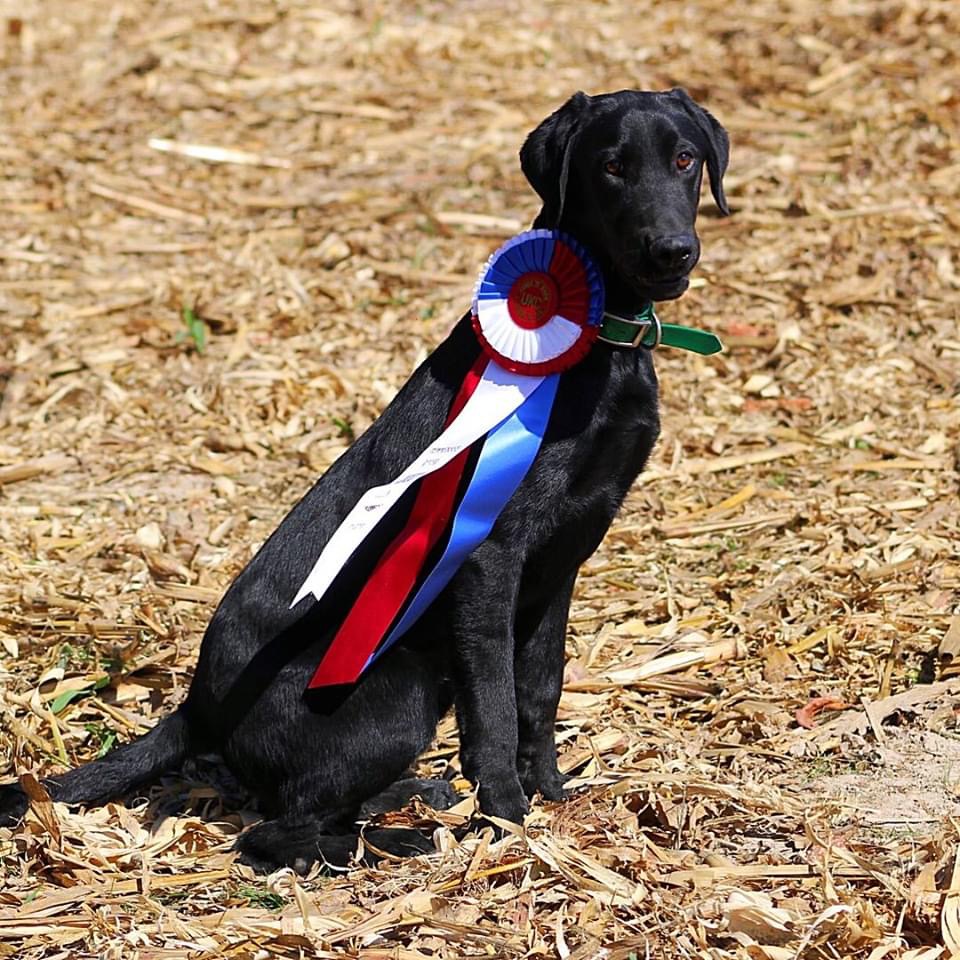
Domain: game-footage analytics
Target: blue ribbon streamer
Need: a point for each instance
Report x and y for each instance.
(507, 454)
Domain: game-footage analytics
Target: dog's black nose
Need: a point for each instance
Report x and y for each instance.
(674, 252)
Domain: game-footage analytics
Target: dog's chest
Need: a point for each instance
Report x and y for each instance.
(603, 428)
(610, 423)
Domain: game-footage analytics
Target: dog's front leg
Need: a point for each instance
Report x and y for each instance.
(486, 702)
(538, 668)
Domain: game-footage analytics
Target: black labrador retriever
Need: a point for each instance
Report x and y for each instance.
(621, 172)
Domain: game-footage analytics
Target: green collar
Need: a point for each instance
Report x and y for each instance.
(645, 330)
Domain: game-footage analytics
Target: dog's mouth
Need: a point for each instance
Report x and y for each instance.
(650, 283)
(660, 288)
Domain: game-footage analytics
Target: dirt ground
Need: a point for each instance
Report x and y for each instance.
(229, 231)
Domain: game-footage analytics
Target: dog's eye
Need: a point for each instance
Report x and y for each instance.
(614, 168)
(685, 160)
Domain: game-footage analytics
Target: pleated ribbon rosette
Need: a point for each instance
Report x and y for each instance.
(538, 307)
(537, 310)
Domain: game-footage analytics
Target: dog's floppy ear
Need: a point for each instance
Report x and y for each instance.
(718, 154)
(545, 155)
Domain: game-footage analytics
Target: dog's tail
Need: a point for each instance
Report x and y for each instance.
(121, 770)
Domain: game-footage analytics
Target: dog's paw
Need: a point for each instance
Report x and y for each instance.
(394, 841)
(544, 779)
(549, 789)
(270, 845)
(253, 858)
(504, 800)
(438, 794)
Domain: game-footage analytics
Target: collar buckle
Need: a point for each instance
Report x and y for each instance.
(643, 325)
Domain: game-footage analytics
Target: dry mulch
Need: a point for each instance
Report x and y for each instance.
(229, 231)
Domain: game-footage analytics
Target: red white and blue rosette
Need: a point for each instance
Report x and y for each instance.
(538, 306)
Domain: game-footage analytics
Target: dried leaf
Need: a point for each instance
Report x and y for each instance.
(41, 805)
(806, 714)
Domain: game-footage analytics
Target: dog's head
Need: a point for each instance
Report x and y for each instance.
(622, 173)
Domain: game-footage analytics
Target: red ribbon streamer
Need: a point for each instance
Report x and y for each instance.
(397, 571)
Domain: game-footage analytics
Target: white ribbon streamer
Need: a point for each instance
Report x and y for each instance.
(498, 394)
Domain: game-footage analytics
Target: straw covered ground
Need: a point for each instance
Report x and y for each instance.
(228, 233)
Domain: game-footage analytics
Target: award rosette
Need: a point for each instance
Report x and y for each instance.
(538, 307)
(537, 310)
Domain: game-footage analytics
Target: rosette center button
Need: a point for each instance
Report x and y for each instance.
(533, 300)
